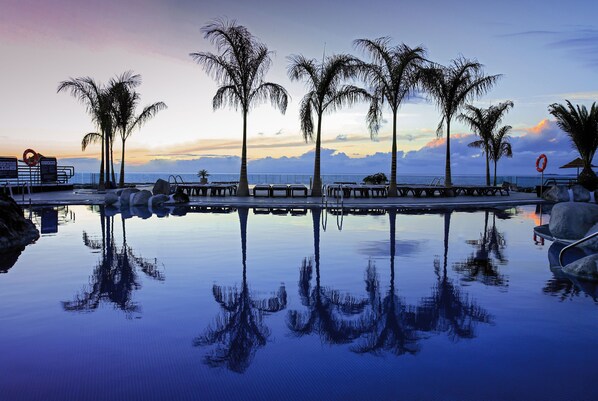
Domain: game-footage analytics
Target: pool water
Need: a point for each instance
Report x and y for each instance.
(241, 304)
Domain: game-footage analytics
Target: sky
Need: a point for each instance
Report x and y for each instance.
(546, 52)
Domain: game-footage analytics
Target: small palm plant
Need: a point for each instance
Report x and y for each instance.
(203, 176)
(582, 128)
(500, 146)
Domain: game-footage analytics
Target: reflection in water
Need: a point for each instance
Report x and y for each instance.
(115, 276)
(328, 311)
(240, 330)
(482, 265)
(9, 258)
(448, 310)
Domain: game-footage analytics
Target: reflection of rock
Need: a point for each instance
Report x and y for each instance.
(110, 199)
(571, 255)
(15, 230)
(141, 198)
(570, 220)
(580, 194)
(158, 200)
(125, 196)
(141, 211)
(161, 187)
(9, 258)
(585, 268)
(557, 193)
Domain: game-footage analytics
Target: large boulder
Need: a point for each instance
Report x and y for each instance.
(125, 196)
(161, 187)
(179, 197)
(591, 244)
(570, 220)
(557, 193)
(141, 198)
(580, 194)
(15, 230)
(111, 198)
(158, 200)
(585, 268)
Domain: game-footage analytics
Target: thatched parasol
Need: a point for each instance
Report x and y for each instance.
(577, 163)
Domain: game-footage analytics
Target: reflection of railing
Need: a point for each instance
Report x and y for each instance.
(574, 244)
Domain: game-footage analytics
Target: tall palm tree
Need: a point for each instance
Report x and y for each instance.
(95, 137)
(393, 74)
(582, 128)
(500, 146)
(239, 69)
(99, 105)
(125, 104)
(483, 122)
(451, 87)
(326, 93)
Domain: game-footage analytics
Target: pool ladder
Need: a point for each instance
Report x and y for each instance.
(574, 244)
(339, 202)
(176, 181)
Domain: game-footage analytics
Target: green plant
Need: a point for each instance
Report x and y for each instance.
(203, 173)
(376, 179)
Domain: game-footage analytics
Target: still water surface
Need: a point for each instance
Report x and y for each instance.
(243, 305)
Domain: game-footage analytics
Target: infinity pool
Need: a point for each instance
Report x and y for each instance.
(246, 304)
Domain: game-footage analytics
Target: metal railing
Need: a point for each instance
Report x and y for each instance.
(574, 244)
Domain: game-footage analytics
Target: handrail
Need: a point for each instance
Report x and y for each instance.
(574, 244)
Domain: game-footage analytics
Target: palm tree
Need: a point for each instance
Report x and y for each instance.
(582, 128)
(326, 93)
(125, 103)
(392, 75)
(95, 137)
(500, 146)
(239, 69)
(452, 87)
(99, 105)
(483, 122)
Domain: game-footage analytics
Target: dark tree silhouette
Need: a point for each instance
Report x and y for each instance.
(115, 277)
(328, 311)
(582, 128)
(326, 93)
(452, 87)
(392, 74)
(500, 146)
(240, 330)
(239, 69)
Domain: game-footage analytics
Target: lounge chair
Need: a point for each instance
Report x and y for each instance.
(261, 190)
(296, 190)
(279, 190)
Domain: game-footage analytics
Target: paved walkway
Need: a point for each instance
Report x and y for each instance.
(92, 197)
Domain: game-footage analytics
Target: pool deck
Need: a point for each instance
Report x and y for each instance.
(92, 197)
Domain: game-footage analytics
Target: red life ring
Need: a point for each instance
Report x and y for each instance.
(30, 160)
(541, 163)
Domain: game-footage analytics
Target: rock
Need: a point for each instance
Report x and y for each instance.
(141, 198)
(570, 220)
(580, 194)
(161, 187)
(15, 230)
(557, 193)
(158, 200)
(585, 268)
(591, 244)
(119, 191)
(125, 195)
(179, 197)
(111, 198)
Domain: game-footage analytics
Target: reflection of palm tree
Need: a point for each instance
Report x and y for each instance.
(448, 309)
(328, 309)
(115, 276)
(481, 265)
(240, 330)
(392, 327)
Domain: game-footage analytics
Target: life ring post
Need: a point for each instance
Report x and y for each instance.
(541, 163)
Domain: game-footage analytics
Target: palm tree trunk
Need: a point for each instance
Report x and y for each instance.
(447, 229)
(243, 183)
(101, 179)
(112, 161)
(106, 160)
(447, 168)
(495, 163)
(392, 190)
(121, 182)
(316, 188)
(487, 167)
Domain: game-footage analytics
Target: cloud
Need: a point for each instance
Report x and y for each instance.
(341, 137)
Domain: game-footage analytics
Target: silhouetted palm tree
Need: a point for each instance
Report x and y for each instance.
(239, 69)
(125, 104)
(240, 330)
(448, 309)
(95, 137)
(484, 122)
(326, 308)
(452, 87)
(393, 75)
(115, 276)
(326, 93)
(582, 128)
(500, 146)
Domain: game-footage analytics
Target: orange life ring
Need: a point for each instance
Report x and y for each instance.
(30, 160)
(541, 163)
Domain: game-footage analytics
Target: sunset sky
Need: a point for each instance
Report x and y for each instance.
(547, 52)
